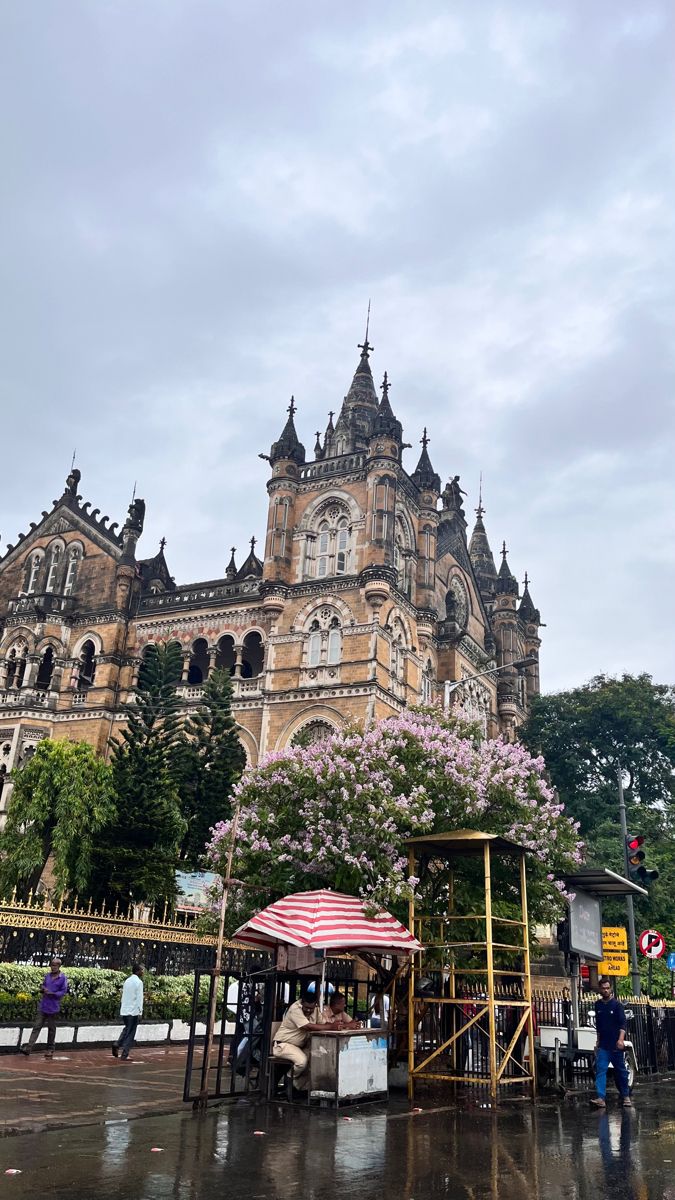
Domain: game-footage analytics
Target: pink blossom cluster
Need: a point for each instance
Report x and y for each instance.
(337, 813)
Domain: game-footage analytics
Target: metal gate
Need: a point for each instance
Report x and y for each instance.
(236, 1064)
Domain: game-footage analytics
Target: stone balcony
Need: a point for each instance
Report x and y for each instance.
(241, 689)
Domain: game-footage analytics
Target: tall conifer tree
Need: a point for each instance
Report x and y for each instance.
(136, 856)
(211, 761)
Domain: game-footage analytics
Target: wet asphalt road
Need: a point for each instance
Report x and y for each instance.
(555, 1152)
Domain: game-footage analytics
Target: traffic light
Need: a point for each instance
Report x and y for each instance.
(635, 856)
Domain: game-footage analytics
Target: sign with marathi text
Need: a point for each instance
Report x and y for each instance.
(614, 951)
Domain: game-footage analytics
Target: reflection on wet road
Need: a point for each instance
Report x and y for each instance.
(553, 1152)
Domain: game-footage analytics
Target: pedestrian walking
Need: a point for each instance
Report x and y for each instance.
(54, 988)
(610, 1030)
(131, 1011)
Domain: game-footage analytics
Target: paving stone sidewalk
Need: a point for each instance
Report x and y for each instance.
(87, 1087)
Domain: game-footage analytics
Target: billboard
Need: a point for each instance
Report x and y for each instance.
(193, 890)
(586, 926)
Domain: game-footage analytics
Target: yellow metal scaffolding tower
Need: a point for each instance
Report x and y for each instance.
(436, 1056)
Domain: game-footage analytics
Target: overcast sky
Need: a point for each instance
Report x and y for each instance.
(200, 198)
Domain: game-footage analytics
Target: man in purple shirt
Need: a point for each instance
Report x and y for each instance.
(54, 988)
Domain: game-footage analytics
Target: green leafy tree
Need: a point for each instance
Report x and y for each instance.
(586, 735)
(209, 761)
(137, 854)
(61, 800)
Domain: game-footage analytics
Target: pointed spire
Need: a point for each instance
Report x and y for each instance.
(162, 544)
(318, 451)
(507, 584)
(362, 390)
(385, 421)
(526, 610)
(424, 475)
(231, 568)
(288, 445)
(252, 568)
(480, 553)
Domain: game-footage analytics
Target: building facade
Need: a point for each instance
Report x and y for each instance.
(367, 598)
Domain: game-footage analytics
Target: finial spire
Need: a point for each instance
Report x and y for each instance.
(385, 386)
(365, 346)
(253, 541)
(526, 580)
(73, 459)
(504, 550)
(424, 438)
(292, 408)
(162, 544)
(480, 510)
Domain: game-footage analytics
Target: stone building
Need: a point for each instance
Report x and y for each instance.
(368, 596)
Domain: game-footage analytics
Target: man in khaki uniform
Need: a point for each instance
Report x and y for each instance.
(335, 1015)
(292, 1037)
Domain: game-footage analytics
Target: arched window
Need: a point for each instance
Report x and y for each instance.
(314, 645)
(226, 657)
(199, 662)
(398, 647)
(428, 683)
(74, 556)
(253, 655)
(328, 549)
(312, 733)
(324, 641)
(55, 559)
(16, 665)
(45, 670)
(33, 564)
(87, 668)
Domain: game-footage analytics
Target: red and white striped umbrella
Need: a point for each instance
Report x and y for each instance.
(326, 920)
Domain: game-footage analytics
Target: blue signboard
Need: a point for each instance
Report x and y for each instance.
(671, 962)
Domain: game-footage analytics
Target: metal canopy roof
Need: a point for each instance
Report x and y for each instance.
(462, 841)
(600, 881)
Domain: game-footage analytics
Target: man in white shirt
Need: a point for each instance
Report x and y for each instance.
(131, 1010)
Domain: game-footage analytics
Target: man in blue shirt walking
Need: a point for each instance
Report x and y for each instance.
(610, 1029)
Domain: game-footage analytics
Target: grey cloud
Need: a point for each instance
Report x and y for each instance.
(203, 196)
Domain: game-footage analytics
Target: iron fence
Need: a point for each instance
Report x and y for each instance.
(650, 1028)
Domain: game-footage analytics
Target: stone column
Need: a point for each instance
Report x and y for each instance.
(213, 654)
(186, 667)
(238, 657)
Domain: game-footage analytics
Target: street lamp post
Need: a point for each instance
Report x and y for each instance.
(630, 912)
(450, 686)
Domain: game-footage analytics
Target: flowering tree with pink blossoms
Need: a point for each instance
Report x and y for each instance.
(335, 814)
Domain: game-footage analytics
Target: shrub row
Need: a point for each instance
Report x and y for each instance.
(95, 994)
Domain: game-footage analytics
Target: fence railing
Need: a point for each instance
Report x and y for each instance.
(650, 1024)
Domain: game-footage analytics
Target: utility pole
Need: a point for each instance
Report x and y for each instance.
(634, 968)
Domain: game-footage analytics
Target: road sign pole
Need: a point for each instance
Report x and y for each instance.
(632, 945)
(672, 985)
(650, 970)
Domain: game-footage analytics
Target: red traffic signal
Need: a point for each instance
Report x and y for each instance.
(636, 857)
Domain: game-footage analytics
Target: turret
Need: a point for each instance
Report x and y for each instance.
(428, 484)
(286, 458)
(529, 620)
(481, 558)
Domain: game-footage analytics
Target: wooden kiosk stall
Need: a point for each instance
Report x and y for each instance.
(344, 1065)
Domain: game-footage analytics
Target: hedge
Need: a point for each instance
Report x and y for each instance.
(95, 994)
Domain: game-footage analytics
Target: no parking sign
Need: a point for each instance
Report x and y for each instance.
(652, 943)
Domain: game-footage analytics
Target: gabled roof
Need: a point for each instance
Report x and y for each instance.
(68, 512)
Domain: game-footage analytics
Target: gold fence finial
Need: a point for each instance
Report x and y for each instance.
(117, 905)
(166, 905)
(13, 895)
